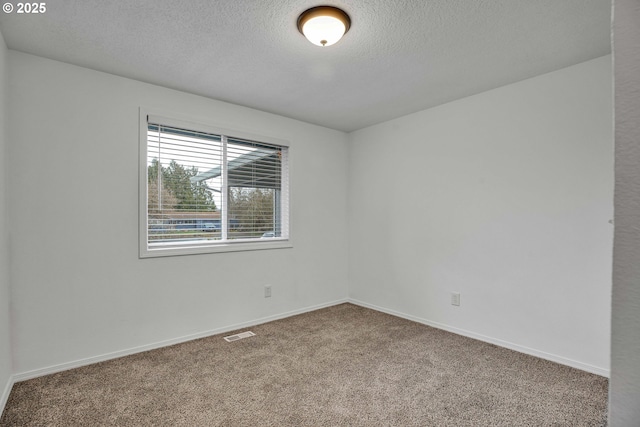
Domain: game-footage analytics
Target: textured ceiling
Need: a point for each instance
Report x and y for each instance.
(399, 57)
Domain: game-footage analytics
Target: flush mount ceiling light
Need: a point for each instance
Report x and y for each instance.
(324, 25)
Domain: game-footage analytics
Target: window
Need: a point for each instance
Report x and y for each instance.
(204, 189)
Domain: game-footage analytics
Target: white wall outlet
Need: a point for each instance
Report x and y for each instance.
(455, 298)
(267, 291)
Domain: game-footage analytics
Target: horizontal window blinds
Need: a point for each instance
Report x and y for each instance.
(206, 188)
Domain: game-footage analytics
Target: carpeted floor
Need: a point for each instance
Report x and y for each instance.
(340, 366)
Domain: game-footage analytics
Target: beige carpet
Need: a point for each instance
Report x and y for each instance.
(340, 366)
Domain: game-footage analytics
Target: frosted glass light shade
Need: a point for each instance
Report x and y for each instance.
(324, 25)
(323, 30)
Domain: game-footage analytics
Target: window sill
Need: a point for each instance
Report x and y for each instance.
(168, 250)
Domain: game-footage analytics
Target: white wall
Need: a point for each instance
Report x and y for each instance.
(505, 197)
(80, 290)
(624, 391)
(5, 337)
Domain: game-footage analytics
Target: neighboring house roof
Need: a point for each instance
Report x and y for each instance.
(192, 215)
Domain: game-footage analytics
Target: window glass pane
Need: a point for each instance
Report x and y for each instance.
(255, 185)
(182, 205)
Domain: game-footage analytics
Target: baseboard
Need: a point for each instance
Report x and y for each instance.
(521, 349)
(5, 394)
(117, 354)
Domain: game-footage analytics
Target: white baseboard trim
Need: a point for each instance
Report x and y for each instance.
(521, 349)
(117, 354)
(5, 393)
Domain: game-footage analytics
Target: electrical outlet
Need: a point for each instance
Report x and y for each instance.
(455, 298)
(267, 291)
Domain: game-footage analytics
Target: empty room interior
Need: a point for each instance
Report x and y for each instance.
(458, 175)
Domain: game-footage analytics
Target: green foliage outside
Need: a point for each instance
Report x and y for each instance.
(178, 192)
(253, 208)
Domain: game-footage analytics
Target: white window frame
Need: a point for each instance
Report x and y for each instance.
(204, 247)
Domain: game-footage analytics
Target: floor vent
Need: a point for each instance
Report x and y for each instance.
(239, 336)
